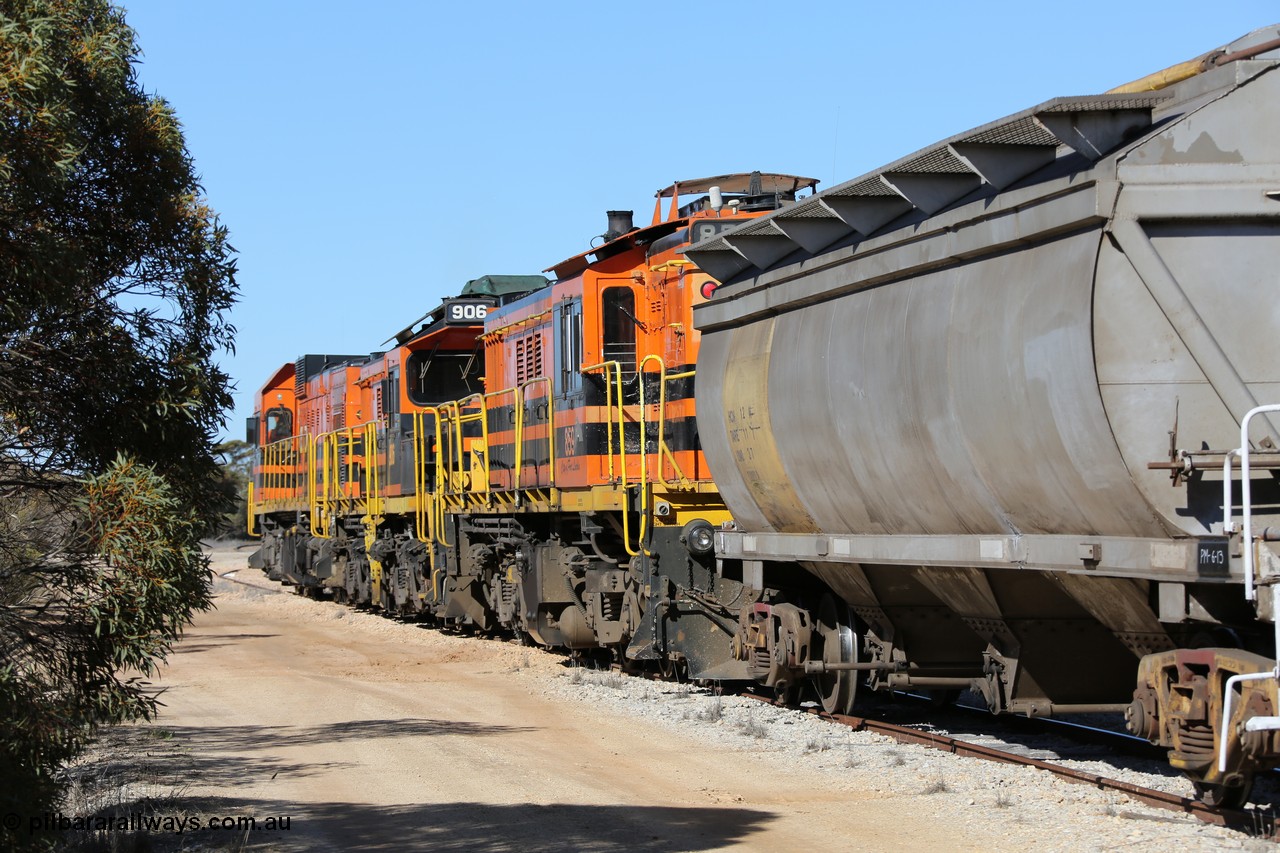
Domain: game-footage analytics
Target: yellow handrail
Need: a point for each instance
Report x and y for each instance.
(332, 478)
(644, 415)
(439, 498)
(349, 434)
(488, 456)
(457, 421)
(644, 446)
(325, 490)
(662, 432)
(662, 416)
(372, 501)
(454, 456)
(328, 458)
(282, 468)
(316, 467)
(608, 404)
(523, 396)
(372, 480)
(424, 522)
(483, 417)
(248, 502)
(663, 379)
(425, 502)
(268, 468)
(622, 453)
(446, 457)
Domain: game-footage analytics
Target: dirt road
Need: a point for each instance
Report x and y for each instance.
(372, 735)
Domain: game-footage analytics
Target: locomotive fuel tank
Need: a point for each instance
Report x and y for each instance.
(985, 394)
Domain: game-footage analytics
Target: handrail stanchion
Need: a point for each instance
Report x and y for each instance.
(248, 502)
(319, 485)
(608, 405)
(622, 445)
(644, 441)
(662, 429)
(423, 528)
(516, 423)
(522, 395)
(371, 498)
(439, 499)
(424, 507)
(1228, 526)
(1259, 723)
(1246, 500)
(518, 451)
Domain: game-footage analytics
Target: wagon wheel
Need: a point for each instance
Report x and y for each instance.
(837, 690)
(1225, 796)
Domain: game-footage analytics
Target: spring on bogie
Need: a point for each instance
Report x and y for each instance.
(611, 606)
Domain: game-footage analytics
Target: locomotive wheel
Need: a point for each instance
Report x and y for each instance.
(1225, 796)
(837, 690)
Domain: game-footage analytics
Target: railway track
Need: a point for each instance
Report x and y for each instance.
(1256, 821)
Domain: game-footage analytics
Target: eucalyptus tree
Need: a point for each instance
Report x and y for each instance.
(116, 279)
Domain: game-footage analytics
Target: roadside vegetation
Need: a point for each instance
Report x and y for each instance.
(115, 281)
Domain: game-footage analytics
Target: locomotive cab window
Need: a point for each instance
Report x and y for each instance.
(618, 326)
(436, 377)
(279, 424)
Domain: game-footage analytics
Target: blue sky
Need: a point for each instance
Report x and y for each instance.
(371, 158)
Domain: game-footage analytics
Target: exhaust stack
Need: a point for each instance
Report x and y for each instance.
(620, 222)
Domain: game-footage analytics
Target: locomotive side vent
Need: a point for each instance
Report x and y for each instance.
(300, 376)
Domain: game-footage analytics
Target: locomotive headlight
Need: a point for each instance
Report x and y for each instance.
(699, 537)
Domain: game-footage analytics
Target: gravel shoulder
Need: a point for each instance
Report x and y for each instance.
(370, 734)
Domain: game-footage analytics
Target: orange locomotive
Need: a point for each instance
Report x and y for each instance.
(526, 458)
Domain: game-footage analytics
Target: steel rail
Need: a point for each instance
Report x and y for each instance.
(1231, 818)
